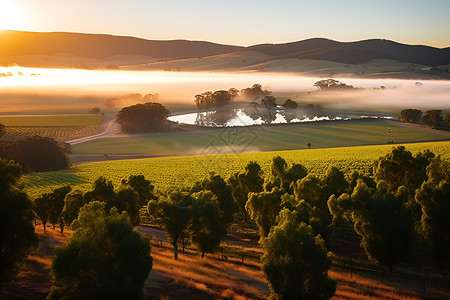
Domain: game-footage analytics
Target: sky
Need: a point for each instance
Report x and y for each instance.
(238, 22)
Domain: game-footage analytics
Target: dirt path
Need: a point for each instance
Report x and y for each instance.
(107, 128)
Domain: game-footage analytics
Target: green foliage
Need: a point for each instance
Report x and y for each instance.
(283, 176)
(381, 218)
(126, 200)
(102, 190)
(433, 118)
(243, 183)
(263, 208)
(103, 259)
(17, 238)
(411, 115)
(435, 222)
(42, 207)
(223, 192)
(175, 213)
(142, 117)
(142, 186)
(296, 262)
(56, 205)
(335, 182)
(72, 204)
(400, 167)
(208, 229)
(37, 153)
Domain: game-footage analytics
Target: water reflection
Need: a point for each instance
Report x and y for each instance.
(256, 114)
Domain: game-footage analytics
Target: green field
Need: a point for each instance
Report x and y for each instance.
(59, 127)
(259, 138)
(184, 171)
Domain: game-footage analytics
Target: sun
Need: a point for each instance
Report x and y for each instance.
(10, 15)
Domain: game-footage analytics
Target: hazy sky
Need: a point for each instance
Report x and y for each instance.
(238, 22)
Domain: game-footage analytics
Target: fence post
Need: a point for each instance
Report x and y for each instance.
(242, 258)
(161, 243)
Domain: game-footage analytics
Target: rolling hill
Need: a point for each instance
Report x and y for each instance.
(312, 56)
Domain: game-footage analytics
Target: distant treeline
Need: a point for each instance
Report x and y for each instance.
(432, 118)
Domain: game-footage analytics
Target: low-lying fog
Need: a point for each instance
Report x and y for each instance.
(33, 90)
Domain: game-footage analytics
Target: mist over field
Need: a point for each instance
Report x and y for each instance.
(38, 90)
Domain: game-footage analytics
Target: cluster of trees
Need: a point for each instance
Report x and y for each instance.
(61, 207)
(145, 117)
(332, 85)
(104, 257)
(200, 215)
(432, 118)
(18, 238)
(215, 99)
(406, 197)
(252, 94)
(37, 153)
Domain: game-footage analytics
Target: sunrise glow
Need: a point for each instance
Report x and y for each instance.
(11, 15)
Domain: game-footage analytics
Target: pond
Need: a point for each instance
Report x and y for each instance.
(262, 116)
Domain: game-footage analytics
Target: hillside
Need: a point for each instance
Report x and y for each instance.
(315, 56)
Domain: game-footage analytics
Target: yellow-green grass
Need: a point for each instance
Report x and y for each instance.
(259, 138)
(59, 127)
(166, 172)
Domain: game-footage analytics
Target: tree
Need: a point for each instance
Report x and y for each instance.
(223, 192)
(254, 93)
(447, 120)
(285, 175)
(331, 84)
(95, 110)
(435, 225)
(295, 261)
(411, 115)
(37, 153)
(309, 145)
(433, 118)
(208, 229)
(56, 206)
(145, 117)
(263, 208)
(175, 213)
(102, 190)
(381, 218)
(400, 167)
(334, 182)
(142, 186)
(72, 204)
(41, 207)
(242, 183)
(290, 104)
(103, 259)
(18, 238)
(311, 190)
(126, 200)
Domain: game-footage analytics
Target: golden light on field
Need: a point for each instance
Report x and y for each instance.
(11, 15)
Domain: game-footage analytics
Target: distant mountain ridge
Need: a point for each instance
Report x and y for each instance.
(101, 46)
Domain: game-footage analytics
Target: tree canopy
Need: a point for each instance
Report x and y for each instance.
(295, 261)
(103, 259)
(411, 115)
(37, 153)
(145, 117)
(18, 238)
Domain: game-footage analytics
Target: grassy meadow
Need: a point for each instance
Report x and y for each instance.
(258, 138)
(166, 172)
